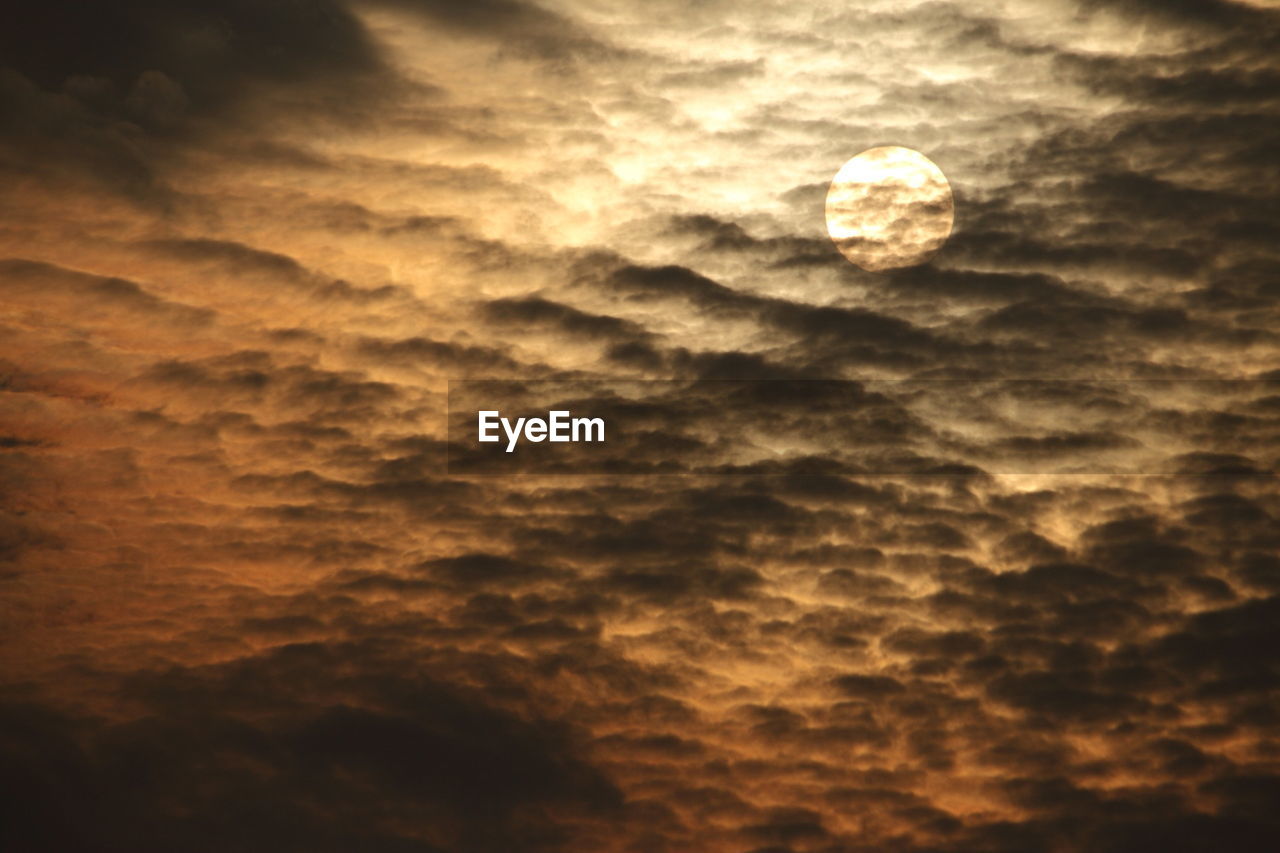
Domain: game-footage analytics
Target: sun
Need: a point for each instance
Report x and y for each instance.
(889, 207)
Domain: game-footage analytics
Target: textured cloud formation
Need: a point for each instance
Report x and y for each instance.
(990, 562)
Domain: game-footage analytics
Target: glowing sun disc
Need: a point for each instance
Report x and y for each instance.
(889, 207)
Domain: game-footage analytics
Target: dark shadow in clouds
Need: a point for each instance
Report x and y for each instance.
(291, 780)
(524, 28)
(209, 51)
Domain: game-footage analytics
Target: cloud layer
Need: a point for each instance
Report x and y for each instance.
(982, 555)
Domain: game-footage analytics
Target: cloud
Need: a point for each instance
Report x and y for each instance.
(482, 772)
(973, 555)
(525, 28)
(210, 51)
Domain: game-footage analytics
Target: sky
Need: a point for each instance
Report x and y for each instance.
(980, 554)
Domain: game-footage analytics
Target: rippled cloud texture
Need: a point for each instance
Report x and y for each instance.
(247, 244)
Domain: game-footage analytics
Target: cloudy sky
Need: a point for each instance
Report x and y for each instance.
(977, 555)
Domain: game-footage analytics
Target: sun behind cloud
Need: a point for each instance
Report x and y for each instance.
(889, 207)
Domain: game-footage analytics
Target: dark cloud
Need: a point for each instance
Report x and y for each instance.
(527, 28)
(91, 294)
(484, 774)
(974, 555)
(107, 94)
(209, 52)
(536, 312)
